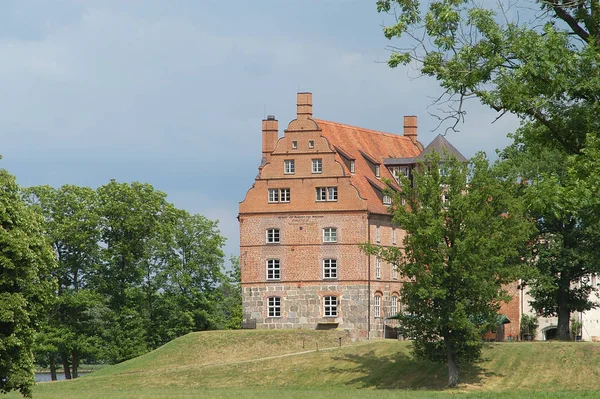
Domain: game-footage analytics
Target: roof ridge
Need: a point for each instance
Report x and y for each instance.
(363, 129)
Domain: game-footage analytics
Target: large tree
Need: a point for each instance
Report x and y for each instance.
(26, 285)
(536, 59)
(462, 245)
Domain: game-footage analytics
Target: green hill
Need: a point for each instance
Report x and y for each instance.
(285, 363)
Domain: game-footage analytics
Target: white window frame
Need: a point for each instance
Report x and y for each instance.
(317, 165)
(273, 195)
(311, 144)
(330, 269)
(377, 306)
(377, 268)
(393, 236)
(330, 234)
(387, 199)
(289, 166)
(352, 166)
(394, 272)
(377, 171)
(332, 194)
(377, 234)
(273, 269)
(285, 195)
(274, 306)
(330, 306)
(321, 194)
(273, 236)
(294, 144)
(394, 306)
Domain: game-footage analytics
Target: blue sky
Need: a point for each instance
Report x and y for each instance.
(173, 93)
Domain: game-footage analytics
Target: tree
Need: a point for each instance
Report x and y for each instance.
(26, 285)
(536, 59)
(73, 228)
(457, 255)
(561, 197)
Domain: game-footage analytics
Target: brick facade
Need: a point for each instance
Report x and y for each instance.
(322, 178)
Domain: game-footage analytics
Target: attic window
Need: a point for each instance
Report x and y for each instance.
(377, 171)
(351, 166)
(294, 144)
(387, 200)
(311, 144)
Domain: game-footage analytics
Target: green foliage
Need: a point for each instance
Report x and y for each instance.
(529, 326)
(575, 328)
(457, 255)
(26, 285)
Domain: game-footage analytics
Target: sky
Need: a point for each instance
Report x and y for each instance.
(172, 93)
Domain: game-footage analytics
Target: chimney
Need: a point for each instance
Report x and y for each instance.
(304, 106)
(410, 127)
(270, 135)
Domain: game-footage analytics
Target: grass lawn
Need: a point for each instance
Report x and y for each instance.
(284, 364)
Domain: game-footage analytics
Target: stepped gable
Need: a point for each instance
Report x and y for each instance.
(366, 148)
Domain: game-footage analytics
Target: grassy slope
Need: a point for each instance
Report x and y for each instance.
(220, 364)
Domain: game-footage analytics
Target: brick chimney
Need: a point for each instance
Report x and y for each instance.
(270, 135)
(304, 106)
(410, 127)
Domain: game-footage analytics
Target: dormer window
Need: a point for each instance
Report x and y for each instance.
(387, 200)
(351, 166)
(294, 145)
(311, 144)
(377, 171)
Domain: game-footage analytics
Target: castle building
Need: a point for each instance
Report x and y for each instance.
(319, 194)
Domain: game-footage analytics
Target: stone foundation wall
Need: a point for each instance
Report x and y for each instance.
(302, 306)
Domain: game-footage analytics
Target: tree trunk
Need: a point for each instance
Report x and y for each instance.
(562, 330)
(65, 363)
(52, 362)
(452, 367)
(75, 361)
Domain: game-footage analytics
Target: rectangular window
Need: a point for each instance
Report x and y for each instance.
(330, 306)
(327, 194)
(273, 269)
(321, 194)
(273, 195)
(273, 236)
(331, 193)
(329, 268)
(393, 236)
(394, 305)
(351, 166)
(377, 306)
(377, 171)
(294, 144)
(377, 234)
(288, 167)
(329, 234)
(284, 195)
(317, 165)
(275, 306)
(387, 200)
(394, 272)
(311, 144)
(445, 200)
(377, 268)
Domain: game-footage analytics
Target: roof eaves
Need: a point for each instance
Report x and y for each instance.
(369, 157)
(399, 161)
(344, 153)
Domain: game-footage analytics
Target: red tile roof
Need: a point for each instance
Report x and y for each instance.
(355, 142)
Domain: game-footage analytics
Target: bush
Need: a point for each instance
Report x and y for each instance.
(529, 325)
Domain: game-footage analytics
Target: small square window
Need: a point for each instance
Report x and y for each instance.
(317, 165)
(275, 306)
(311, 144)
(329, 268)
(294, 144)
(288, 167)
(273, 269)
(330, 305)
(273, 236)
(330, 234)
